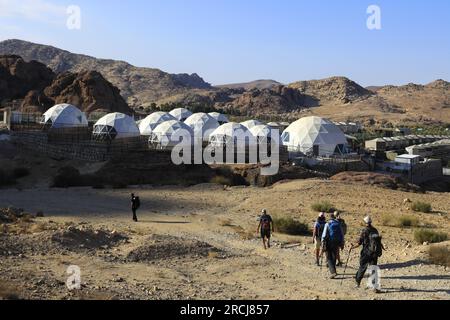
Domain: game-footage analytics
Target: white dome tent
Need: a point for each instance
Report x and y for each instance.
(115, 126)
(172, 133)
(64, 116)
(147, 125)
(180, 114)
(202, 125)
(262, 133)
(314, 135)
(231, 133)
(251, 123)
(221, 118)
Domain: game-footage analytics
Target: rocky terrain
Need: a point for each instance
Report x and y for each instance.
(200, 243)
(337, 98)
(40, 88)
(88, 90)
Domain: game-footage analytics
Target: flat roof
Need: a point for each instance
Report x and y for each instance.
(407, 156)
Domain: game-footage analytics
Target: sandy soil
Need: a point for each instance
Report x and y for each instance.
(212, 250)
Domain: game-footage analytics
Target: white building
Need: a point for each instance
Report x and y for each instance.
(115, 126)
(147, 125)
(64, 116)
(314, 135)
(172, 133)
(181, 114)
(202, 125)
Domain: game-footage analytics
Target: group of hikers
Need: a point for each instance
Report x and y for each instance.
(329, 238)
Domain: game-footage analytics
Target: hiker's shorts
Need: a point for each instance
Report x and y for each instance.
(318, 243)
(265, 234)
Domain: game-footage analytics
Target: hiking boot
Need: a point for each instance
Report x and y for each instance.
(318, 263)
(333, 276)
(339, 264)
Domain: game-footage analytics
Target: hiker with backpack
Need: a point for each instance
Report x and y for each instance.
(266, 227)
(135, 205)
(338, 217)
(318, 228)
(332, 241)
(372, 250)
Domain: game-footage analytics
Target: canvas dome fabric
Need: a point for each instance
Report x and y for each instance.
(229, 133)
(147, 125)
(262, 133)
(115, 126)
(251, 123)
(181, 114)
(221, 118)
(202, 125)
(172, 133)
(314, 135)
(64, 116)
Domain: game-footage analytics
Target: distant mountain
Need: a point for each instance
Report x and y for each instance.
(338, 98)
(137, 85)
(258, 84)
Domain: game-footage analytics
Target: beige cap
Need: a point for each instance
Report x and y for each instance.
(368, 220)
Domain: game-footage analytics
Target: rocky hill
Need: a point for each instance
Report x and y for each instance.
(258, 84)
(88, 90)
(40, 88)
(338, 98)
(137, 85)
(17, 77)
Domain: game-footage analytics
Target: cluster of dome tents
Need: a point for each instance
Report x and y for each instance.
(181, 126)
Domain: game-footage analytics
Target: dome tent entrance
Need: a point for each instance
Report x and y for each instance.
(147, 125)
(64, 116)
(172, 133)
(115, 126)
(180, 114)
(314, 135)
(202, 125)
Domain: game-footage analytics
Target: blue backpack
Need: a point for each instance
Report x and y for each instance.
(335, 231)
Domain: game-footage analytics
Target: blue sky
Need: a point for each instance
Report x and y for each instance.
(227, 41)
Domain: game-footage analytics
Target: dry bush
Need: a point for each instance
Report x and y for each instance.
(291, 227)
(439, 255)
(420, 206)
(401, 221)
(323, 206)
(423, 235)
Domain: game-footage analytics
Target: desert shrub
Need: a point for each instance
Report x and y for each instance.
(401, 221)
(419, 206)
(439, 255)
(323, 206)
(291, 227)
(21, 172)
(6, 179)
(221, 180)
(67, 177)
(423, 235)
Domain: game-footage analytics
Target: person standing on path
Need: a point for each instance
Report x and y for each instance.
(135, 204)
(319, 226)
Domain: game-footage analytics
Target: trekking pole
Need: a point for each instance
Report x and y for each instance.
(346, 264)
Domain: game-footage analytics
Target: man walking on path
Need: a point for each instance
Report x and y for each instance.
(319, 226)
(370, 240)
(332, 241)
(338, 217)
(266, 227)
(135, 204)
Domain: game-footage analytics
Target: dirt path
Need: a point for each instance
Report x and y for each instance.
(232, 264)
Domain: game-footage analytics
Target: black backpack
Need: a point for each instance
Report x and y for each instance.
(375, 247)
(138, 203)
